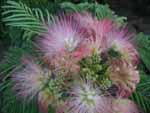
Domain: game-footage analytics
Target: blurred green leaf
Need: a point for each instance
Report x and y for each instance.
(143, 42)
(19, 15)
(142, 94)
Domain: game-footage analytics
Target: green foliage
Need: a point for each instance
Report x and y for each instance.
(141, 101)
(142, 94)
(12, 59)
(18, 37)
(41, 2)
(144, 86)
(11, 104)
(19, 15)
(143, 42)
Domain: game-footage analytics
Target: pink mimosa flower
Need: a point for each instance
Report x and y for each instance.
(71, 39)
(121, 41)
(29, 80)
(98, 34)
(124, 106)
(85, 98)
(64, 34)
(102, 27)
(85, 19)
(125, 76)
(66, 63)
(96, 29)
(81, 52)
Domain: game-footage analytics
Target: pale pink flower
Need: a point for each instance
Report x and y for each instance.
(63, 35)
(96, 29)
(66, 63)
(124, 106)
(98, 34)
(81, 52)
(85, 98)
(85, 19)
(102, 27)
(120, 41)
(104, 34)
(124, 75)
(29, 80)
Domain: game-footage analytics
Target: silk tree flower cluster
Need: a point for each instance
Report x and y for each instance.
(89, 66)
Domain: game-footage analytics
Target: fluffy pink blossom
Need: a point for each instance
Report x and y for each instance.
(29, 80)
(104, 34)
(98, 34)
(65, 34)
(85, 98)
(124, 106)
(85, 19)
(81, 52)
(125, 76)
(65, 63)
(120, 41)
(96, 29)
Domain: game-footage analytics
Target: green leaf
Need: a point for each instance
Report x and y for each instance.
(19, 15)
(12, 59)
(10, 103)
(144, 85)
(143, 42)
(141, 101)
(142, 94)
